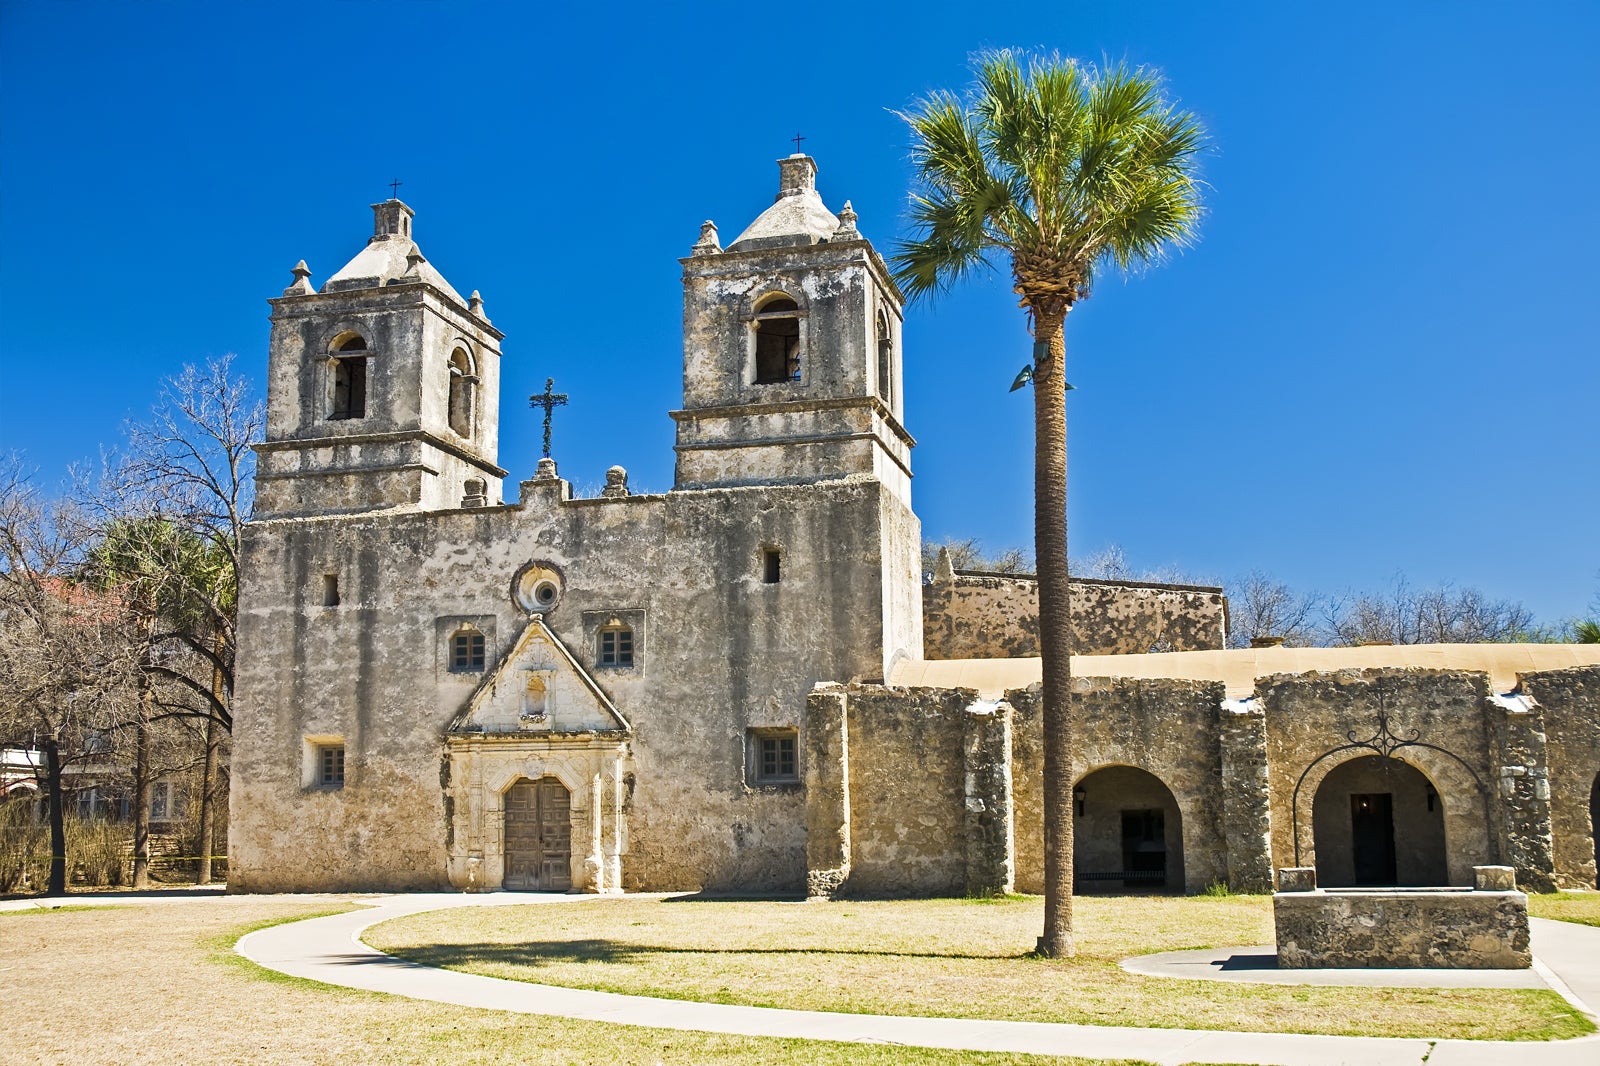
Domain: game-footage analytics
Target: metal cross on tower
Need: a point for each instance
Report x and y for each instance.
(394, 189)
(549, 401)
(797, 139)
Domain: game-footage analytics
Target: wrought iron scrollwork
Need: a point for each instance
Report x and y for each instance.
(1384, 742)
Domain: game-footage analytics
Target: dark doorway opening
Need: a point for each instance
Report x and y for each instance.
(1372, 837)
(1144, 844)
(1594, 825)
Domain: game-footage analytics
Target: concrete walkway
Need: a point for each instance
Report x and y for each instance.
(330, 950)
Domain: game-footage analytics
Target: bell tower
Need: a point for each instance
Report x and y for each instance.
(383, 387)
(791, 351)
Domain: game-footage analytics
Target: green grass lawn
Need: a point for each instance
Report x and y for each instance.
(951, 958)
(1582, 907)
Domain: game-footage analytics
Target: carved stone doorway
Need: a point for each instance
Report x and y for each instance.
(538, 836)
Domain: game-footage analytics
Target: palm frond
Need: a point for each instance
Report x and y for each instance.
(1062, 165)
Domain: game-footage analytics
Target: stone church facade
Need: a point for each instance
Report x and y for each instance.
(745, 683)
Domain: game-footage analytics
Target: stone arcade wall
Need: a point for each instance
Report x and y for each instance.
(1309, 714)
(921, 792)
(1569, 710)
(971, 615)
(1168, 728)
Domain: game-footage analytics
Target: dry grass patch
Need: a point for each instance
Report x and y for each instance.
(159, 983)
(951, 958)
(1581, 907)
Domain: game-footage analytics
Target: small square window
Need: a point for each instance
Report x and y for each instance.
(616, 646)
(774, 756)
(466, 652)
(330, 766)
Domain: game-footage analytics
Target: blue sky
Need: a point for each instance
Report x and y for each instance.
(1380, 357)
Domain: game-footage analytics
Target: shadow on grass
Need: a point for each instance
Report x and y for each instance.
(556, 952)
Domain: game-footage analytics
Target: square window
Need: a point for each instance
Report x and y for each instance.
(774, 756)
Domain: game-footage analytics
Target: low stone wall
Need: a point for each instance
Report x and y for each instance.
(971, 615)
(1483, 929)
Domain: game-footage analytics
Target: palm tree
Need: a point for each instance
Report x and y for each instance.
(1063, 169)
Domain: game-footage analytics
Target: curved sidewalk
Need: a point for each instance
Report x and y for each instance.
(330, 950)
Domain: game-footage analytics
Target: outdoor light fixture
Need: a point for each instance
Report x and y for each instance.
(1080, 794)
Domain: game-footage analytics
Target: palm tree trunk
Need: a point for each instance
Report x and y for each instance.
(1055, 623)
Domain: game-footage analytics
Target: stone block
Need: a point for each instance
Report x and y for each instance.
(1494, 878)
(1297, 879)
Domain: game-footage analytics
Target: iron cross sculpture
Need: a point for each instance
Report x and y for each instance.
(549, 401)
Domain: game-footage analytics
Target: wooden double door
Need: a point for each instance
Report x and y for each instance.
(538, 836)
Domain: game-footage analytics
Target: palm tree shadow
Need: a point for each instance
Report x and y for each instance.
(539, 954)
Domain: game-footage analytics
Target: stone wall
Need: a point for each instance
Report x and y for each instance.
(970, 615)
(1167, 728)
(1310, 716)
(1569, 703)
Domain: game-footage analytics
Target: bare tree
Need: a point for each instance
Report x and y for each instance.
(68, 665)
(968, 554)
(184, 490)
(1444, 614)
(1261, 606)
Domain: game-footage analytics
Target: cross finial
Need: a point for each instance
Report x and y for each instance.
(797, 139)
(549, 401)
(394, 189)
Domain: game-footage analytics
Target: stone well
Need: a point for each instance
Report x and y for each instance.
(1483, 928)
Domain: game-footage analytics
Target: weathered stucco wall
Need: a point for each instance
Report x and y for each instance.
(725, 653)
(996, 616)
(1569, 703)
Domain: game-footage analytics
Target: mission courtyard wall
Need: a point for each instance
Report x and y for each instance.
(972, 615)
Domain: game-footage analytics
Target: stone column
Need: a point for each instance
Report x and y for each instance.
(594, 867)
(1246, 821)
(827, 772)
(1523, 791)
(614, 853)
(988, 821)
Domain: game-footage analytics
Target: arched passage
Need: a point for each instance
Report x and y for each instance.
(1127, 832)
(1594, 825)
(1379, 821)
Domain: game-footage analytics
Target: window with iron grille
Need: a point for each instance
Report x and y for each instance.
(616, 646)
(466, 652)
(330, 766)
(774, 756)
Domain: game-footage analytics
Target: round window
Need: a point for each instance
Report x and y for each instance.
(537, 587)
